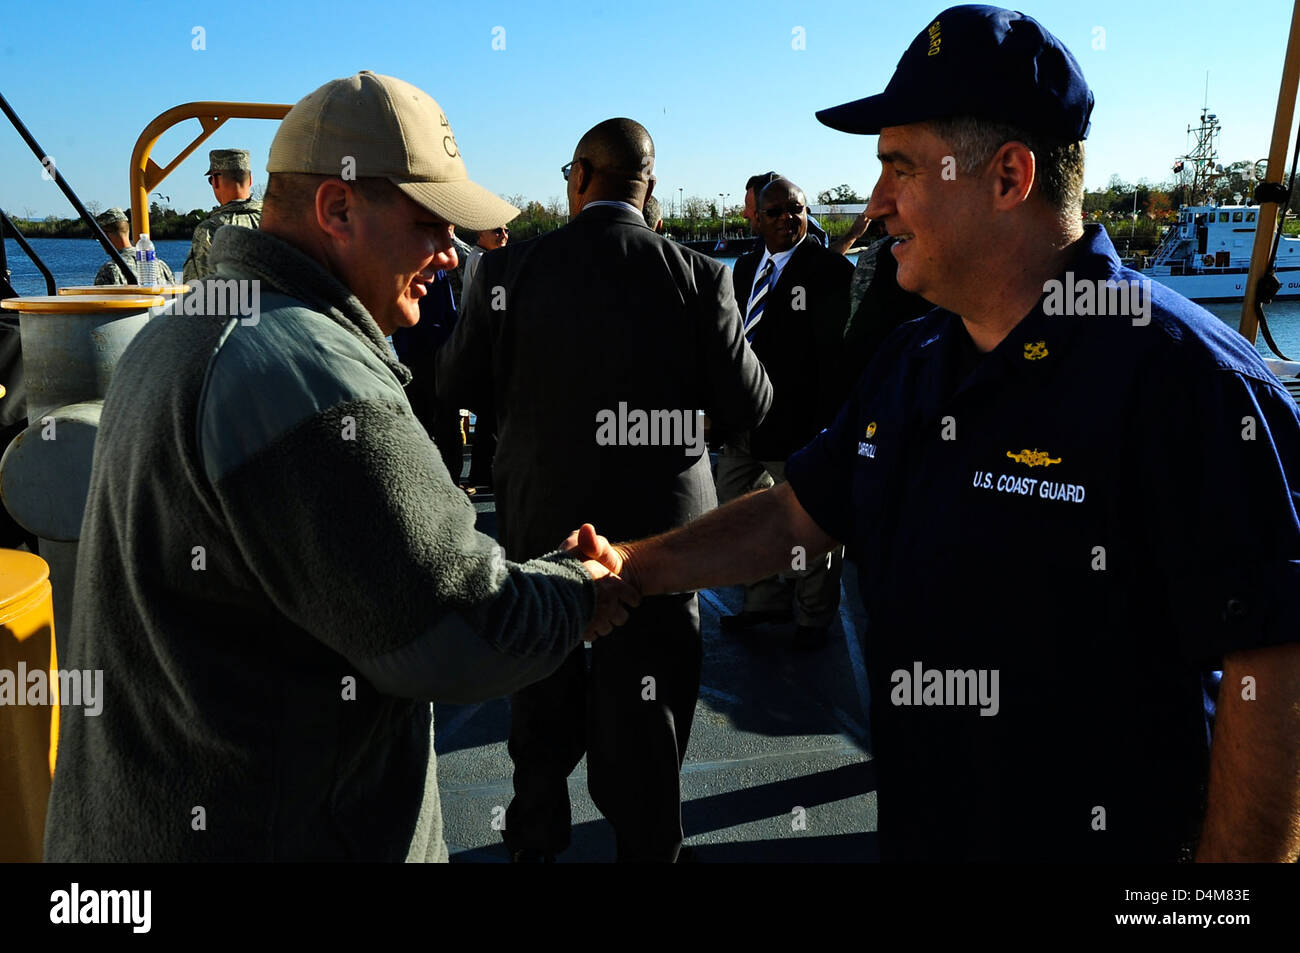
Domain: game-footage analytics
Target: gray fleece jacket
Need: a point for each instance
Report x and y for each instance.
(277, 576)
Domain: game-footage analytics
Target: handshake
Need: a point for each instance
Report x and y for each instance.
(609, 566)
(748, 539)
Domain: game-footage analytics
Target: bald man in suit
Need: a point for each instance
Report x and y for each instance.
(573, 337)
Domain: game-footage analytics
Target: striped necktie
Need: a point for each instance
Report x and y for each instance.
(758, 301)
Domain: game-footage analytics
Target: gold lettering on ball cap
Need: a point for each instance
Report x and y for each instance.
(449, 140)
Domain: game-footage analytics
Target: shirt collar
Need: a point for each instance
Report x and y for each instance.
(627, 206)
(1039, 339)
(780, 258)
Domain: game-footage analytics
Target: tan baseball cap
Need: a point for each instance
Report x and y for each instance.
(373, 126)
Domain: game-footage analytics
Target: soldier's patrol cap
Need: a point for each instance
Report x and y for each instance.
(373, 126)
(228, 161)
(110, 217)
(984, 62)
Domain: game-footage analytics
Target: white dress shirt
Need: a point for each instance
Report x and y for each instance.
(614, 202)
(778, 265)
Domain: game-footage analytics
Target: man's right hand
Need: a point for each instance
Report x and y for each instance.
(586, 542)
(613, 594)
(605, 564)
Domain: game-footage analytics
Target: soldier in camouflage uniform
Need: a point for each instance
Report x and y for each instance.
(231, 176)
(118, 229)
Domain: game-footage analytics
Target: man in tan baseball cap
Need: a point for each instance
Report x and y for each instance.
(381, 145)
(372, 126)
(288, 575)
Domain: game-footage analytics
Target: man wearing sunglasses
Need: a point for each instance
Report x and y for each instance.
(795, 296)
(231, 176)
(756, 184)
(488, 240)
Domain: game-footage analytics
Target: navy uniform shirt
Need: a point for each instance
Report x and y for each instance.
(1096, 511)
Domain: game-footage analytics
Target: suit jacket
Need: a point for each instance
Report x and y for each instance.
(599, 319)
(800, 348)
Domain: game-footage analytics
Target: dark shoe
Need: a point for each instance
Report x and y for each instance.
(809, 638)
(747, 620)
(530, 855)
(687, 855)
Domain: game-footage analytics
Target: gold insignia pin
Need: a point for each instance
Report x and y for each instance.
(1033, 458)
(1035, 350)
(871, 430)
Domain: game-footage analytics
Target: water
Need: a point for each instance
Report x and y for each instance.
(74, 261)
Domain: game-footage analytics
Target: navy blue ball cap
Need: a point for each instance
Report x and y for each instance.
(984, 62)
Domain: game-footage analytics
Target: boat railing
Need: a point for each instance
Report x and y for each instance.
(53, 172)
(147, 174)
(8, 229)
(1270, 194)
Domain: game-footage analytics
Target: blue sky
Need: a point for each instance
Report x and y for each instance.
(718, 85)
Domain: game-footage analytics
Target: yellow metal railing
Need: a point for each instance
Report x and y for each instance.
(147, 174)
(1249, 324)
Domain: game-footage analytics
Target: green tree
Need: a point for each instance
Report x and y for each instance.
(840, 195)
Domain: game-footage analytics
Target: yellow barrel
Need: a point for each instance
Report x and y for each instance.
(28, 711)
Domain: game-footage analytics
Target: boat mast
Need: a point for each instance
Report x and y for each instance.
(1203, 156)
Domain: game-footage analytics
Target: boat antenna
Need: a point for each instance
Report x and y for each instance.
(1202, 156)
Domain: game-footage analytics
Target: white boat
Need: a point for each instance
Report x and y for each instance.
(1205, 256)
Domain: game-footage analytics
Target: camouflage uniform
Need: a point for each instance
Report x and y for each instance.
(245, 212)
(110, 274)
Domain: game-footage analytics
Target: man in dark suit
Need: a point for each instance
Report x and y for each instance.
(601, 344)
(796, 303)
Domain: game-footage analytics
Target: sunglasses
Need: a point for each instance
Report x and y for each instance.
(501, 230)
(568, 168)
(213, 175)
(794, 209)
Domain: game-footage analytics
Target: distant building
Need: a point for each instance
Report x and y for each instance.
(833, 212)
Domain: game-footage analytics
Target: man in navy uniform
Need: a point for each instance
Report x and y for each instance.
(1066, 516)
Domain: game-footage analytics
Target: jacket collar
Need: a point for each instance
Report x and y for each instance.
(240, 252)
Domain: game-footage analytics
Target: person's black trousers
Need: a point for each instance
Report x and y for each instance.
(631, 714)
(483, 449)
(441, 423)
